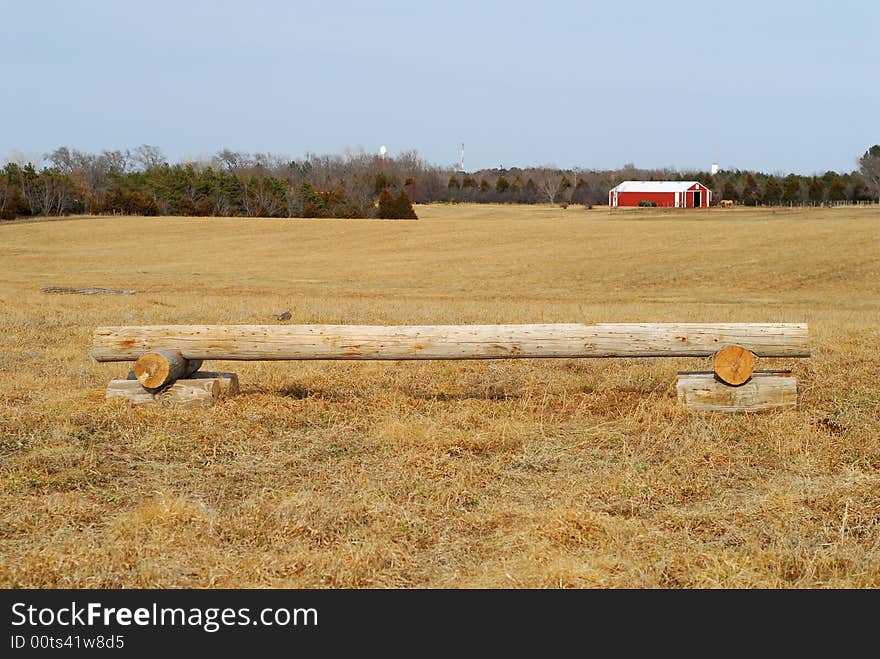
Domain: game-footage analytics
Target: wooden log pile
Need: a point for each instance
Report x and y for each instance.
(165, 378)
(167, 357)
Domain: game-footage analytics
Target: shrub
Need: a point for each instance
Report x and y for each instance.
(380, 182)
(647, 203)
(395, 208)
(129, 202)
(311, 203)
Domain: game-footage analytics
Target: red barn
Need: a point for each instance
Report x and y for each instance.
(671, 194)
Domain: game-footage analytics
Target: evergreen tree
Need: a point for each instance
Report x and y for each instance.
(311, 203)
(750, 191)
(837, 189)
(816, 192)
(395, 208)
(791, 189)
(772, 191)
(387, 207)
(729, 191)
(381, 182)
(404, 208)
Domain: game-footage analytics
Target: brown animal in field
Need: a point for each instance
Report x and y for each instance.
(726, 203)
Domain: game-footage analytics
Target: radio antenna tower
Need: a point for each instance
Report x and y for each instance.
(461, 159)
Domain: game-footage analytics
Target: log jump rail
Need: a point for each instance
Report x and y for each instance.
(169, 355)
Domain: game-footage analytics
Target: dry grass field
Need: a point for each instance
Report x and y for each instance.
(531, 473)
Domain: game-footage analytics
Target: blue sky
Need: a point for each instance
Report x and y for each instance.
(775, 86)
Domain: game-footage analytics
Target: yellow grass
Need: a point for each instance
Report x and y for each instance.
(507, 473)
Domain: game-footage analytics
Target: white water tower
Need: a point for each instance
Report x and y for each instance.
(714, 168)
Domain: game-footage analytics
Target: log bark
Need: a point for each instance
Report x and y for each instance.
(734, 365)
(131, 390)
(161, 367)
(190, 393)
(183, 393)
(228, 381)
(282, 342)
(700, 390)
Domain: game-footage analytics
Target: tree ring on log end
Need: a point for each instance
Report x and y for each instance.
(734, 365)
(158, 368)
(152, 370)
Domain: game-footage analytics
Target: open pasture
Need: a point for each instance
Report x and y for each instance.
(503, 473)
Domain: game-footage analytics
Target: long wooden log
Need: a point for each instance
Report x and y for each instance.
(160, 367)
(279, 342)
(700, 390)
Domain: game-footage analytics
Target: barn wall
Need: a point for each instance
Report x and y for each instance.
(705, 195)
(633, 198)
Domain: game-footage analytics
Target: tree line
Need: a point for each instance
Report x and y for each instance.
(141, 181)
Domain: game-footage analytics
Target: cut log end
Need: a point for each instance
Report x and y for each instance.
(161, 367)
(152, 370)
(734, 365)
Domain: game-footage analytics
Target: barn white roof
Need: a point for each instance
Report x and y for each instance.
(653, 186)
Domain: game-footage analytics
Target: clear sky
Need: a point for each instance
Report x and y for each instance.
(768, 85)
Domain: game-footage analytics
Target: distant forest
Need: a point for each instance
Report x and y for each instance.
(141, 181)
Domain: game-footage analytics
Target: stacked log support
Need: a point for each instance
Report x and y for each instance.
(200, 389)
(228, 381)
(765, 390)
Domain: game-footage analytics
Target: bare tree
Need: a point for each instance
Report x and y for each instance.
(52, 193)
(116, 162)
(63, 159)
(232, 160)
(148, 157)
(23, 159)
(5, 190)
(869, 165)
(549, 181)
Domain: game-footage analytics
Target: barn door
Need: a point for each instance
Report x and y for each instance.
(698, 202)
